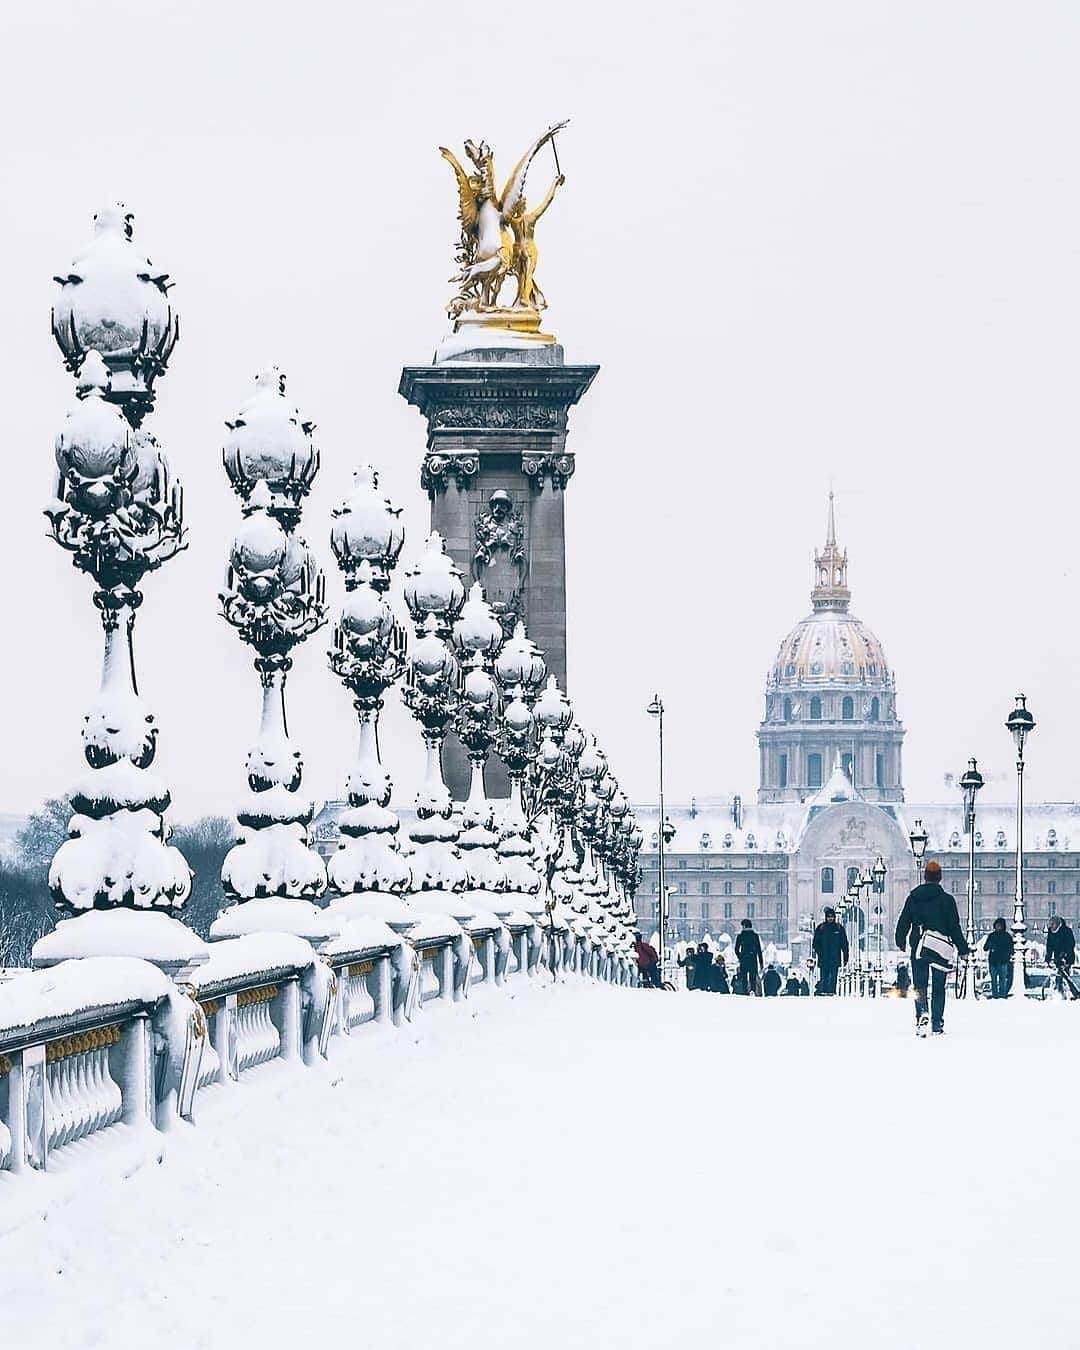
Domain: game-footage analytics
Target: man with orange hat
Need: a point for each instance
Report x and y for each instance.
(929, 909)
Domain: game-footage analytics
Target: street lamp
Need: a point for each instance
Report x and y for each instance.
(665, 832)
(970, 783)
(877, 878)
(1021, 723)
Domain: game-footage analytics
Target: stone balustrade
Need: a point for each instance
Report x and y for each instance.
(100, 1044)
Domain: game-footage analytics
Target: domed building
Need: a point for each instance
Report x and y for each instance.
(830, 698)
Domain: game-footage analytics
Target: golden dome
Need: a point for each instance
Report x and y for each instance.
(830, 646)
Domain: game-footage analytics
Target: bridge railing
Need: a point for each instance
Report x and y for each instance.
(95, 1045)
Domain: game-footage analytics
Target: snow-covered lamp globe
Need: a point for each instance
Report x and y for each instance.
(270, 443)
(113, 300)
(520, 664)
(553, 709)
(366, 528)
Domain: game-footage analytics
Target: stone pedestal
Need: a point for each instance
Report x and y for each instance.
(496, 471)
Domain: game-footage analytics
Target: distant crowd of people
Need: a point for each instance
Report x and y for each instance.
(928, 931)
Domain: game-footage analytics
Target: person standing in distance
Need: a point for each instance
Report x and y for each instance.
(831, 950)
(748, 951)
(929, 908)
(999, 948)
(648, 962)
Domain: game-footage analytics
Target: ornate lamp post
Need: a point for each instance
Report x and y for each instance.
(656, 709)
(368, 656)
(1021, 723)
(275, 598)
(878, 874)
(120, 516)
(434, 594)
(970, 783)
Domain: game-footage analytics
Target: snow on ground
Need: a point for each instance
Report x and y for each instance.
(595, 1167)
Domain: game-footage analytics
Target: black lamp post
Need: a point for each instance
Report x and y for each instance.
(1021, 723)
(970, 783)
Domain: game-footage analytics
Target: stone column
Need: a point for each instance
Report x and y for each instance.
(495, 471)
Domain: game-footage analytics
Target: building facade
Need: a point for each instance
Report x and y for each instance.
(830, 801)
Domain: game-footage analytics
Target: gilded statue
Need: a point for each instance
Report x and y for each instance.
(498, 234)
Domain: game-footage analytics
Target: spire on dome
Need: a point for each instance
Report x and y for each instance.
(830, 569)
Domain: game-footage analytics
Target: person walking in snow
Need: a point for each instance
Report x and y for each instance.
(999, 948)
(771, 982)
(688, 963)
(748, 953)
(648, 962)
(929, 909)
(1060, 945)
(718, 980)
(831, 950)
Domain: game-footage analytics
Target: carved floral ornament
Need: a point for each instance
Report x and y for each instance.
(496, 416)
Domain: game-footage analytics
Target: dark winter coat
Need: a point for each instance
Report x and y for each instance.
(748, 950)
(689, 964)
(791, 989)
(930, 907)
(999, 948)
(718, 979)
(804, 987)
(830, 945)
(771, 982)
(1060, 947)
(702, 970)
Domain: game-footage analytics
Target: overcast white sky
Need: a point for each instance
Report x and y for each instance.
(803, 241)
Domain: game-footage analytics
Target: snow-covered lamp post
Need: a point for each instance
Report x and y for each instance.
(368, 656)
(434, 593)
(274, 598)
(970, 783)
(120, 515)
(1021, 723)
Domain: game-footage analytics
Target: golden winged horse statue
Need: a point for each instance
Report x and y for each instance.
(498, 232)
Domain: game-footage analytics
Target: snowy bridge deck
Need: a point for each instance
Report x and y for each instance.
(491, 1179)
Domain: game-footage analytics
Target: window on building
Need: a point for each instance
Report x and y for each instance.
(682, 911)
(783, 771)
(847, 708)
(852, 877)
(728, 841)
(751, 842)
(1001, 862)
(780, 886)
(879, 770)
(727, 911)
(1051, 837)
(704, 888)
(828, 881)
(750, 910)
(815, 709)
(787, 710)
(847, 763)
(682, 864)
(706, 842)
(813, 771)
(1000, 888)
(682, 887)
(705, 912)
(1051, 887)
(1051, 862)
(749, 888)
(727, 887)
(875, 709)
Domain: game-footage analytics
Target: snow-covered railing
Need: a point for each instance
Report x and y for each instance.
(78, 1051)
(99, 1043)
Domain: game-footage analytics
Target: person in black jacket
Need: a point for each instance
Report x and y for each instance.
(688, 962)
(929, 908)
(999, 948)
(831, 950)
(1060, 945)
(718, 982)
(791, 989)
(702, 968)
(771, 982)
(748, 951)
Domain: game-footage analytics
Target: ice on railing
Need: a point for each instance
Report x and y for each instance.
(74, 987)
